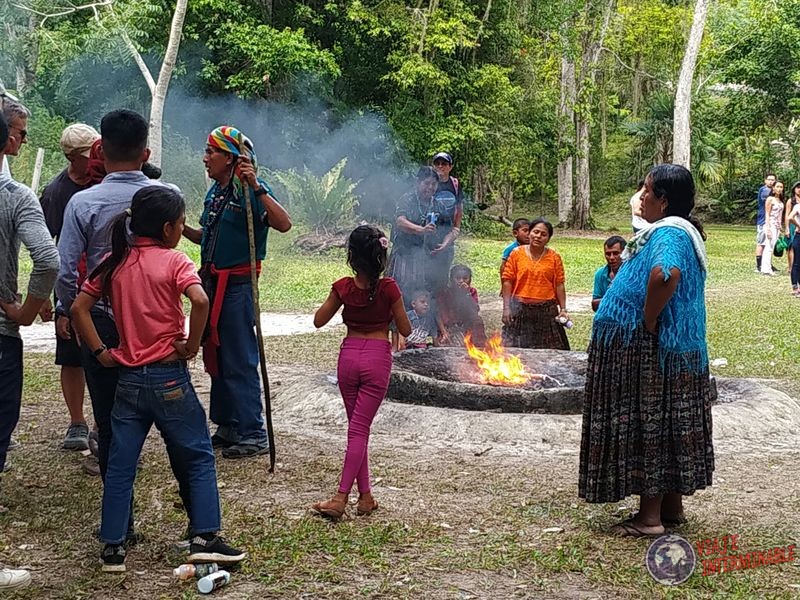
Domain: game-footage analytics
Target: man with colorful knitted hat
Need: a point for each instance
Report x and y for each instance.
(230, 352)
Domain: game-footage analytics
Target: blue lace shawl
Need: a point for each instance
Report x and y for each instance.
(682, 323)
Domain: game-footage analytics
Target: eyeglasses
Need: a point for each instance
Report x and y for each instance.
(440, 163)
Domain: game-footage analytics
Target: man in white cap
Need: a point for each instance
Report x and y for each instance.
(76, 143)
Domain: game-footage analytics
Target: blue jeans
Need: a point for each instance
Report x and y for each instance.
(160, 393)
(236, 402)
(102, 384)
(10, 391)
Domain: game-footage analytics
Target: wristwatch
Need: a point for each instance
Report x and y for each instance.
(100, 350)
(261, 191)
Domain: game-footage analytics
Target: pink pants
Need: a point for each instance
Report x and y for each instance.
(364, 368)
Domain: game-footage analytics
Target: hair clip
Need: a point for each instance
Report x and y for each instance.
(384, 242)
(128, 212)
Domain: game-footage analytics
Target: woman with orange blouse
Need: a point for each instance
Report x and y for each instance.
(534, 298)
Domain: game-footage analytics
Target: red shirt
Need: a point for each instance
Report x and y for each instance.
(146, 297)
(362, 314)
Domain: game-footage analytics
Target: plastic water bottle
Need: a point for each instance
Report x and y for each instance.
(186, 572)
(565, 321)
(431, 218)
(209, 583)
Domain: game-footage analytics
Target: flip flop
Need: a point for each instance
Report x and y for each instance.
(629, 528)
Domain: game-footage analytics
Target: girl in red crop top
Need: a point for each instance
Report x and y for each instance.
(370, 303)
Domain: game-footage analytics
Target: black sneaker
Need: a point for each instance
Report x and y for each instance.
(208, 548)
(218, 441)
(113, 557)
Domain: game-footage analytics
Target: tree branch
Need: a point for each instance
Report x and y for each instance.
(93, 6)
(623, 64)
(137, 58)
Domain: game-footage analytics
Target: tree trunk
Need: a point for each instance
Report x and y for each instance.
(566, 120)
(682, 132)
(603, 116)
(636, 84)
(160, 92)
(581, 211)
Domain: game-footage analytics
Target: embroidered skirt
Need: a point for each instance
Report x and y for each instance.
(646, 430)
(535, 326)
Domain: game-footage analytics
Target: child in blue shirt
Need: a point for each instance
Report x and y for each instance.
(521, 229)
(423, 324)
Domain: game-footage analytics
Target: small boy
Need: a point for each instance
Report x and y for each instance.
(521, 229)
(458, 311)
(423, 324)
(612, 249)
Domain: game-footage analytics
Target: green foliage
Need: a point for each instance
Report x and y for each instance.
(326, 203)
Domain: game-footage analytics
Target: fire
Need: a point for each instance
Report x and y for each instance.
(496, 366)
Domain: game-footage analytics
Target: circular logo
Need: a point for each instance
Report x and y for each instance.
(670, 559)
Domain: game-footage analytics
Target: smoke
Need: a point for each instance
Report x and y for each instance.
(306, 134)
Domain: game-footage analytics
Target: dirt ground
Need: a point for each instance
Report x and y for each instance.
(472, 506)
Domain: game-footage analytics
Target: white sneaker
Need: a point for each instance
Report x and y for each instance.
(11, 579)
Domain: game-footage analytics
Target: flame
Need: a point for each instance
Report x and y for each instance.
(496, 366)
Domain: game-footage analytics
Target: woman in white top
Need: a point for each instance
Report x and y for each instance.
(773, 226)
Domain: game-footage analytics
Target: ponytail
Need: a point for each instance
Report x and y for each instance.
(120, 248)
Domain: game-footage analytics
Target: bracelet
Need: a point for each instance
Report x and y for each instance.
(100, 350)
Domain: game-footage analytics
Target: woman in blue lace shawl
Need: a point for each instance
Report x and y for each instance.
(647, 410)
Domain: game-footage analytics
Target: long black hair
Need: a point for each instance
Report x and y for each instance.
(675, 184)
(367, 254)
(151, 208)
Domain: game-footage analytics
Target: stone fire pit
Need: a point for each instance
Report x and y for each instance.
(447, 377)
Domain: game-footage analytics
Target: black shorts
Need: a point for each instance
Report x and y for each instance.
(68, 353)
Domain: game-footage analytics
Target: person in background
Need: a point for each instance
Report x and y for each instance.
(612, 249)
(424, 331)
(230, 352)
(458, 310)
(791, 228)
(76, 144)
(520, 229)
(773, 226)
(794, 221)
(450, 198)
(370, 302)
(647, 410)
(21, 223)
(761, 200)
(534, 296)
(637, 222)
(410, 263)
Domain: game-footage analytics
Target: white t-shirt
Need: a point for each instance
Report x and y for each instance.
(636, 207)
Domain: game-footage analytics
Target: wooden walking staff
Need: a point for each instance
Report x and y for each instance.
(251, 236)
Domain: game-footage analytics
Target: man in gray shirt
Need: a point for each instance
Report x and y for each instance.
(21, 221)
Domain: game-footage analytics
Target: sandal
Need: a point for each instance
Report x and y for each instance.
(629, 528)
(331, 509)
(244, 450)
(366, 505)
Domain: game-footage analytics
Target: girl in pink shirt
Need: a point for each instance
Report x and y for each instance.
(370, 303)
(144, 280)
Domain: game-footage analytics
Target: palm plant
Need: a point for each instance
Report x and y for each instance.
(325, 203)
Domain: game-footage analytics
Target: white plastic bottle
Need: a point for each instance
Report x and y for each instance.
(214, 581)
